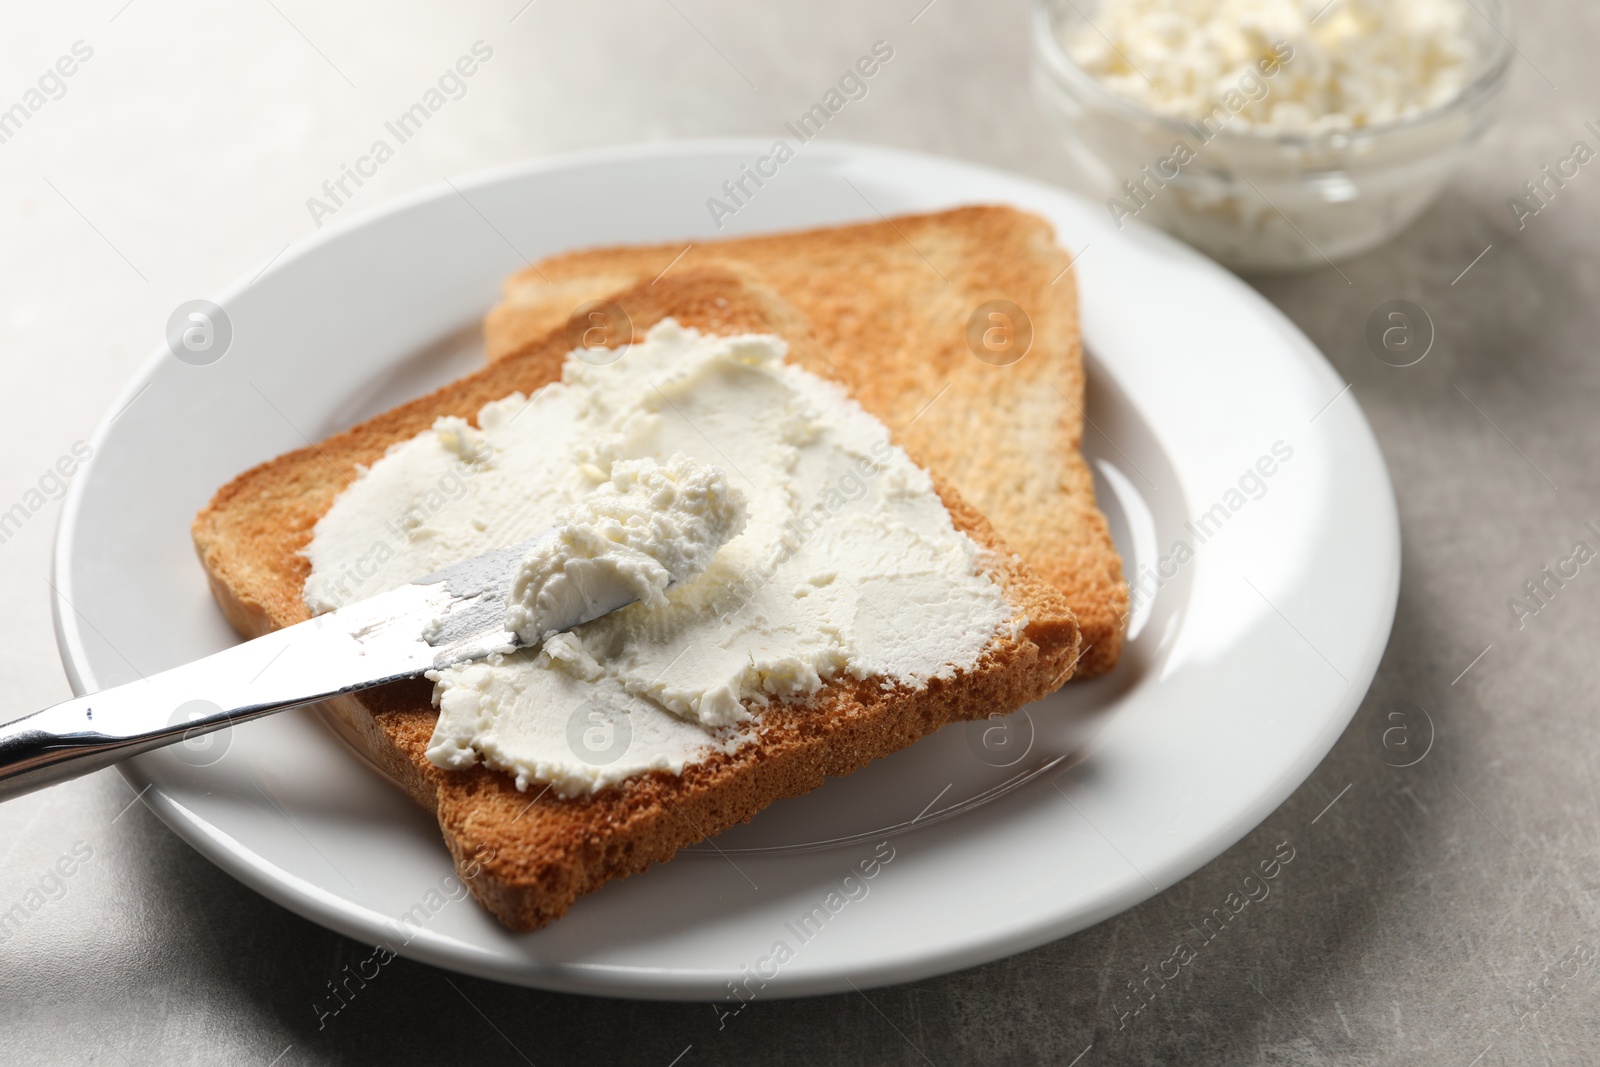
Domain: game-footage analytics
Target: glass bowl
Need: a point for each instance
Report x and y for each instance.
(1260, 200)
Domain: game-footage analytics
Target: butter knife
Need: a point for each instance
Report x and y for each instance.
(450, 617)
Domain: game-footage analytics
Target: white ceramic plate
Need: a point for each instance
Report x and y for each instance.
(1241, 672)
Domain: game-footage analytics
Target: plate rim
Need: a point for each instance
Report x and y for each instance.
(355, 920)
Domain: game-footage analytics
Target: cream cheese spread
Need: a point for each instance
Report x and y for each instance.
(650, 525)
(846, 565)
(1356, 63)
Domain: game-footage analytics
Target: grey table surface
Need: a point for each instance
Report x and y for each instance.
(1444, 913)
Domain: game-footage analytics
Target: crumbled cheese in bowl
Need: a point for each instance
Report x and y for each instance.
(1271, 134)
(1342, 64)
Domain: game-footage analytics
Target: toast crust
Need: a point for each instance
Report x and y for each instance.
(892, 301)
(528, 863)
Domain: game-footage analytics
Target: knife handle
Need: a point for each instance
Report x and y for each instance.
(64, 741)
(366, 644)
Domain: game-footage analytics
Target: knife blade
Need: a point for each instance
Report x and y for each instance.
(453, 616)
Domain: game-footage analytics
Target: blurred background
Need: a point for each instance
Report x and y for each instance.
(1417, 928)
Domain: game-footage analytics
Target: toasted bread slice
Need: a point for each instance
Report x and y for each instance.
(892, 300)
(528, 863)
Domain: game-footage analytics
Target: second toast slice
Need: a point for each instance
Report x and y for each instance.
(895, 302)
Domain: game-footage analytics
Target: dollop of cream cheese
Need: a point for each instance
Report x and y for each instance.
(847, 564)
(650, 525)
